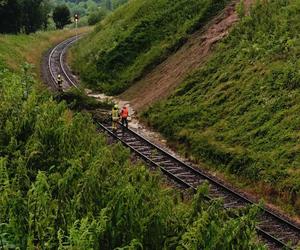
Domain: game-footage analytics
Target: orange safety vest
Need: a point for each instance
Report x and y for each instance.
(124, 113)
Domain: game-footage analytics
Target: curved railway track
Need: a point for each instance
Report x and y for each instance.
(56, 64)
(274, 230)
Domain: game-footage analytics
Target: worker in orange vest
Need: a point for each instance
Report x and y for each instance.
(124, 115)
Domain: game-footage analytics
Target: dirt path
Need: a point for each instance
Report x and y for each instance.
(162, 80)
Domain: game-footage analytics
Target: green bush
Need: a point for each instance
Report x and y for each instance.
(96, 16)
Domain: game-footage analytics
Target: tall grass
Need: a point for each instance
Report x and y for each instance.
(17, 49)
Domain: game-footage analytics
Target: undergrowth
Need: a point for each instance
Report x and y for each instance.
(63, 187)
(76, 99)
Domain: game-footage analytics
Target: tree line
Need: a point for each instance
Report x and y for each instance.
(28, 16)
(23, 15)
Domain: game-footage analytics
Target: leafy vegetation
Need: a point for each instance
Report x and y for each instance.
(78, 100)
(240, 111)
(135, 38)
(91, 11)
(96, 16)
(28, 16)
(23, 16)
(63, 187)
(61, 16)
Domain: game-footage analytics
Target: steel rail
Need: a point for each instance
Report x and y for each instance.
(173, 176)
(67, 43)
(62, 64)
(196, 171)
(260, 231)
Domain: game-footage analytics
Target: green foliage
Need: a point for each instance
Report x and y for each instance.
(239, 111)
(136, 37)
(61, 16)
(241, 9)
(118, 3)
(96, 16)
(78, 100)
(63, 187)
(23, 16)
(91, 9)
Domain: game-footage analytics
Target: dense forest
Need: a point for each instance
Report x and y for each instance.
(29, 16)
(23, 16)
(62, 186)
(137, 37)
(91, 11)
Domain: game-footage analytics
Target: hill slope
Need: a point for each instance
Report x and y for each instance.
(136, 38)
(17, 49)
(161, 81)
(240, 110)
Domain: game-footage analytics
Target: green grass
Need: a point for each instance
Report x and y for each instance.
(18, 49)
(137, 37)
(240, 111)
(63, 187)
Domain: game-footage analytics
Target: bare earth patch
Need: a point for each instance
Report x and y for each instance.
(162, 80)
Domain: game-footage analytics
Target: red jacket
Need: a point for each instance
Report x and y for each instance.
(124, 112)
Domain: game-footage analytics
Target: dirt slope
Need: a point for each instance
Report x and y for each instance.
(160, 82)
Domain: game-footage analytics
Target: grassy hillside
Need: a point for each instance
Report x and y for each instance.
(240, 111)
(137, 37)
(15, 49)
(63, 187)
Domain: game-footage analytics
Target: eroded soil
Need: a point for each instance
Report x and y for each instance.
(162, 80)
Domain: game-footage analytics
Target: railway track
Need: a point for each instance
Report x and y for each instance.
(274, 230)
(56, 61)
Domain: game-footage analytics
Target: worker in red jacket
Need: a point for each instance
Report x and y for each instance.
(124, 115)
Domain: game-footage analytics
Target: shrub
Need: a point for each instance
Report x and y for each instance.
(96, 16)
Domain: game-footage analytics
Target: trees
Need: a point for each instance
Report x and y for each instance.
(33, 15)
(109, 5)
(61, 16)
(117, 3)
(96, 16)
(23, 15)
(11, 16)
